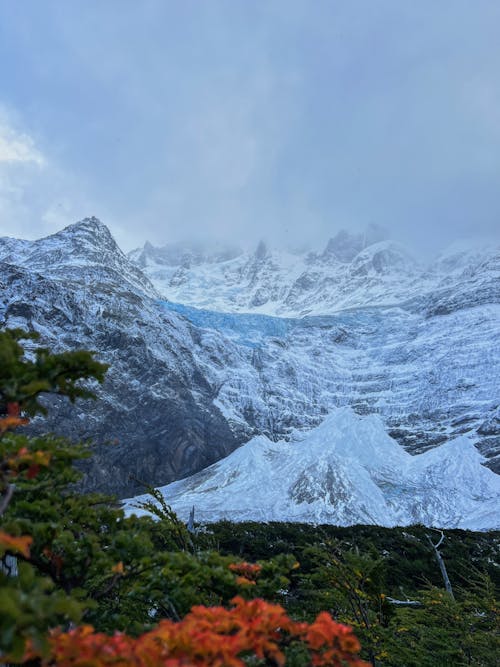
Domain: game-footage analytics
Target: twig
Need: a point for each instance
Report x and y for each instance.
(7, 498)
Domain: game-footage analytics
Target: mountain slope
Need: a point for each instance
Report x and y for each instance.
(78, 290)
(430, 378)
(345, 471)
(353, 271)
(417, 345)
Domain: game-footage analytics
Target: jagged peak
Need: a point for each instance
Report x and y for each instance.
(86, 225)
(186, 253)
(88, 235)
(385, 256)
(345, 245)
(261, 251)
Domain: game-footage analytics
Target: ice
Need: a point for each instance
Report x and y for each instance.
(345, 471)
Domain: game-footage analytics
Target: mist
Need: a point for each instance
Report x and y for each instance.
(233, 122)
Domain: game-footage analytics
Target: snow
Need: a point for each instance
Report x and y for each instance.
(431, 378)
(294, 284)
(271, 342)
(345, 471)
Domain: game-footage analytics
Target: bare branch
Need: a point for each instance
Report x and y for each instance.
(404, 603)
(436, 546)
(442, 566)
(7, 498)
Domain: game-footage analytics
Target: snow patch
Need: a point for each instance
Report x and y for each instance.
(346, 471)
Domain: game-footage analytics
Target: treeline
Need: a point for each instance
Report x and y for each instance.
(387, 584)
(408, 560)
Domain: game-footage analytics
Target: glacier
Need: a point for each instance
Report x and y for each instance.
(230, 345)
(345, 471)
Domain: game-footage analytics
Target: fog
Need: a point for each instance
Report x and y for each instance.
(235, 121)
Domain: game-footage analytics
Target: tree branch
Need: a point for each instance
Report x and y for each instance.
(442, 566)
(7, 498)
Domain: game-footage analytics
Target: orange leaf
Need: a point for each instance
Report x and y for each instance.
(118, 568)
(18, 544)
(243, 581)
(11, 422)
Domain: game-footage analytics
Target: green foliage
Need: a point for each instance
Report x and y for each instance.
(173, 533)
(354, 573)
(23, 380)
(444, 631)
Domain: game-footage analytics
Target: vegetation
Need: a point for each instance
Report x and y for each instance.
(82, 584)
(387, 585)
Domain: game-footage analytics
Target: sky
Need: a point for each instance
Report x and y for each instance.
(245, 119)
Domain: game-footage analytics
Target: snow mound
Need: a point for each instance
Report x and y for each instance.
(345, 471)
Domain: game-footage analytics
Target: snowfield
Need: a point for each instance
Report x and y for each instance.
(343, 472)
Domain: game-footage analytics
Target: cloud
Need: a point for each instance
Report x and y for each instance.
(18, 147)
(37, 196)
(244, 120)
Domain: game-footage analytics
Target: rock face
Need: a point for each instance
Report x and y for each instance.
(211, 346)
(78, 290)
(345, 471)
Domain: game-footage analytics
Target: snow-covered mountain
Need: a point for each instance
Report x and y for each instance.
(211, 346)
(353, 271)
(345, 471)
(416, 344)
(155, 411)
(83, 252)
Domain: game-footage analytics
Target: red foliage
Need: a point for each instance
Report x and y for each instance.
(13, 409)
(206, 637)
(23, 459)
(210, 636)
(248, 573)
(20, 545)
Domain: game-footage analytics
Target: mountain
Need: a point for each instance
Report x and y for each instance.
(351, 272)
(345, 471)
(84, 251)
(416, 344)
(264, 343)
(78, 290)
(281, 283)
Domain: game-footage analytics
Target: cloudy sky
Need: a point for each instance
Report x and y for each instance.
(242, 119)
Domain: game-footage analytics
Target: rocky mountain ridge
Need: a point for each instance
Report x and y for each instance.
(188, 384)
(154, 420)
(353, 271)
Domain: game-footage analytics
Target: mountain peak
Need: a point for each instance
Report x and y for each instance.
(345, 471)
(81, 250)
(261, 250)
(345, 245)
(90, 225)
(87, 237)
